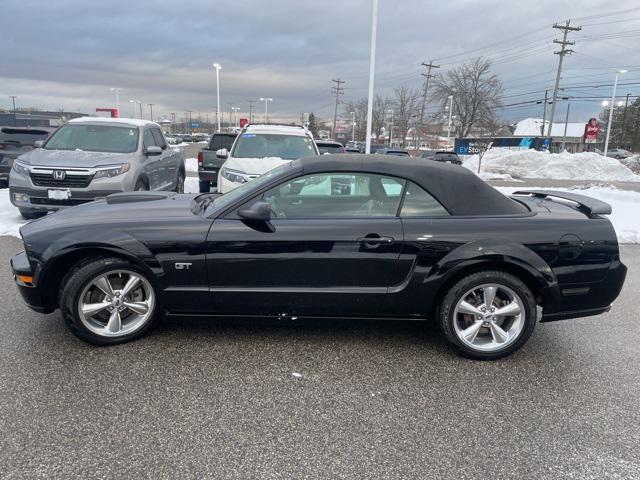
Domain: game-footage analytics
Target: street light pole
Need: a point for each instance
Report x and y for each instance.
(133, 108)
(235, 115)
(372, 69)
(266, 110)
(390, 128)
(353, 126)
(15, 118)
(449, 127)
(151, 110)
(613, 101)
(218, 67)
(116, 90)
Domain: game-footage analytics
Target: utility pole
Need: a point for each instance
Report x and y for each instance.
(173, 122)
(251, 102)
(624, 118)
(151, 110)
(141, 116)
(427, 77)
(15, 118)
(544, 112)
(566, 28)
(338, 91)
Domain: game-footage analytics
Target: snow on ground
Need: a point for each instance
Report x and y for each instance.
(191, 164)
(504, 164)
(191, 185)
(10, 218)
(625, 206)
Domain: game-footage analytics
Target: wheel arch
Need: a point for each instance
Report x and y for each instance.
(509, 257)
(57, 263)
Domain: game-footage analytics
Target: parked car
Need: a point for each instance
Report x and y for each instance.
(173, 140)
(398, 152)
(209, 163)
(329, 146)
(14, 141)
(619, 153)
(444, 156)
(260, 148)
(91, 157)
(398, 240)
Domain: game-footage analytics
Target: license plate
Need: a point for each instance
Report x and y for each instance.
(59, 194)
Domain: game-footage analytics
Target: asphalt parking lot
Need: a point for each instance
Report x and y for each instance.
(219, 399)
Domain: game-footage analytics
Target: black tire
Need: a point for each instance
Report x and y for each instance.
(4, 183)
(447, 307)
(74, 284)
(31, 214)
(205, 186)
(180, 182)
(141, 185)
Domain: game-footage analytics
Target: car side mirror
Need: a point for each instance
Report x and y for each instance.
(38, 144)
(153, 150)
(222, 153)
(260, 211)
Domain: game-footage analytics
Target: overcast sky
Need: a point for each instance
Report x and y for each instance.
(67, 53)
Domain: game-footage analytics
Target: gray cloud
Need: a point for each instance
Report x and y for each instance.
(68, 53)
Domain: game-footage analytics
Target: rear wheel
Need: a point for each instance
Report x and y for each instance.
(31, 214)
(488, 315)
(107, 301)
(180, 183)
(205, 186)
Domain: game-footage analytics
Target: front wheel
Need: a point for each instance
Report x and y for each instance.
(106, 301)
(488, 315)
(32, 214)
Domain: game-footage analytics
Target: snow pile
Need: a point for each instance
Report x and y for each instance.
(632, 163)
(10, 218)
(191, 165)
(498, 163)
(624, 208)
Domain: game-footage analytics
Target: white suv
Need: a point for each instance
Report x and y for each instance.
(260, 148)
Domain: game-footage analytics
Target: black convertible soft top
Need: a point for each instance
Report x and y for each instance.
(460, 190)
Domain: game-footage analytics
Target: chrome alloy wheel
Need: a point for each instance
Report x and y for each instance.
(116, 303)
(489, 317)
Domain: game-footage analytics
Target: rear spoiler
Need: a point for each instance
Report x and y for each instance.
(589, 205)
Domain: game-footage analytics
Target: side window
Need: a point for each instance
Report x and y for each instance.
(336, 195)
(148, 139)
(159, 138)
(419, 203)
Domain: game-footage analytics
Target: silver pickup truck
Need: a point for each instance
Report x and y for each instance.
(89, 158)
(209, 163)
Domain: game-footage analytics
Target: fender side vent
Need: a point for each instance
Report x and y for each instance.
(134, 197)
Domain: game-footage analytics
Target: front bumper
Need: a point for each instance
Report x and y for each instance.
(39, 199)
(31, 292)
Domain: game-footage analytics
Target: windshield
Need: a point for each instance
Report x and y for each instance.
(329, 148)
(94, 138)
(261, 145)
(246, 188)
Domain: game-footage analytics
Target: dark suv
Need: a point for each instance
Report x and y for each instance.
(14, 141)
(209, 163)
(444, 156)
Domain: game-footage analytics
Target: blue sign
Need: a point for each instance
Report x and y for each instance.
(195, 125)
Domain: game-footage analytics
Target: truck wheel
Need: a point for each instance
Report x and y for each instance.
(106, 301)
(31, 214)
(488, 315)
(205, 186)
(180, 183)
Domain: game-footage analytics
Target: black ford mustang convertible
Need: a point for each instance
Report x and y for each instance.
(341, 236)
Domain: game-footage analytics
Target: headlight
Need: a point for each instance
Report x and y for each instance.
(235, 176)
(20, 168)
(111, 171)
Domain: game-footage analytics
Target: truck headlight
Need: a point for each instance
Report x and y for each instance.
(111, 171)
(20, 168)
(235, 176)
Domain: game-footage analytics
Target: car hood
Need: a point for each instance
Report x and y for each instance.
(255, 166)
(72, 158)
(130, 210)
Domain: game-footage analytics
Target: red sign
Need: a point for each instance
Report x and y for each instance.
(591, 131)
(243, 122)
(113, 112)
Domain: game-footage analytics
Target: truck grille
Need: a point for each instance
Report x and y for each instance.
(70, 181)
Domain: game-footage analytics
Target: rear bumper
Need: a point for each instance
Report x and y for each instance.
(31, 293)
(585, 300)
(208, 175)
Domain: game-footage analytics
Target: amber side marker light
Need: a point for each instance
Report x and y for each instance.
(27, 280)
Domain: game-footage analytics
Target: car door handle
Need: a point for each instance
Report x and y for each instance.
(376, 240)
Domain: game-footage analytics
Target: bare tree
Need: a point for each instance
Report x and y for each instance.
(360, 109)
(476, 94)
(381, 105)
(405, 108)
